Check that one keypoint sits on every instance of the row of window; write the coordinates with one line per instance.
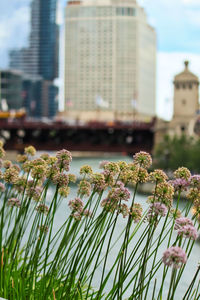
(100, 11)
(183, 85)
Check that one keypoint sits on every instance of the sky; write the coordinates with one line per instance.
(177, 24)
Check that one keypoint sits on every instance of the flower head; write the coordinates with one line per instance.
(84, 188)
(30, 150)
(76, 205)
(180, 184)
(14, 202)
(11, 175)
(143, 159)
(164, 192)
(175, 257)
(86, 170)
(158, 176)
(42, 208)
(183, 173)
(22, 158)
(98, 181)
(61, 179)
(182, 221)
(156, 209)
(64, 191)
(7, 164)
(136, 212)
(112, 168)
(72, 178)
(34, 192)
(188, 231)
(122, 165)
(64, 158)
(123, 209)
(195, 181)
(142, 175)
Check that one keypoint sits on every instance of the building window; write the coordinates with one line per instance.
(125, 11)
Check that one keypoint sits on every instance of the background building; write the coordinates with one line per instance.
(10, 90)
(40, 58)
(110, 60)
(186, 107)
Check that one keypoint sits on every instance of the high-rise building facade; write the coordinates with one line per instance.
(40, 58)
(110, 58)
(11, 89)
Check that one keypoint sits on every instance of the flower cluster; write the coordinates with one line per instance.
(86, 170)
(175, 257)
(195, 181)
(84, 188)
(156, 209)
(143, 159)
(11, 175)
(115, 196)
(185, 228)
(112, 168)
(98, 182)
(30, 150)
(158, 176)
(180, 184)
(77, 207)
(64, 191)
(183, 173)
(7, 164)
(136, 212)
(42, 208)
(14, 202)
(34, 192)
(164, 193)
(61, 179)
(64, 158)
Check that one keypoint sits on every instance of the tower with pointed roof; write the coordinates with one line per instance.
(186, 105)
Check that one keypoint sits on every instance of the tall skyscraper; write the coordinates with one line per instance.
(40, 58)
(110, 59)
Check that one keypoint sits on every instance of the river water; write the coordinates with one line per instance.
(63, 212)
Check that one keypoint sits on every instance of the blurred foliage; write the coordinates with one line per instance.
(174, 152)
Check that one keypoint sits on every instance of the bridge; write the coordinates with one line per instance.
(116, 137)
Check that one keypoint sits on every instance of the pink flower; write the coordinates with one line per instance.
(188, 231)
(14, 202)
(76, 205)
(182, 221)
(156, 209)
(175, 257)
(180, 184)
(64, 158)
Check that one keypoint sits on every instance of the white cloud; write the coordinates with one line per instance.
(170, 64)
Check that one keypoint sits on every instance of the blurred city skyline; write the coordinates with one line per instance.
(176, 22)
